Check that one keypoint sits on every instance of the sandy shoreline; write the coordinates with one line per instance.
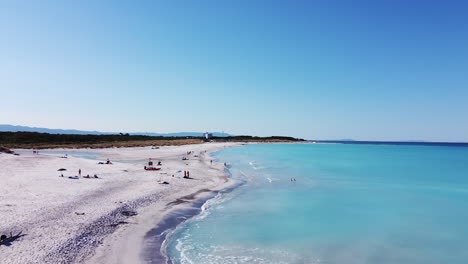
(64, 220)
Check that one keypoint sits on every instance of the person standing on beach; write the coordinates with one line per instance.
(79, 172)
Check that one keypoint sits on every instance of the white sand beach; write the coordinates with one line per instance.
(56, 219)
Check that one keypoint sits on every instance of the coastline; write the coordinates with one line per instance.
(93, 222)
(157, 238)
(133, 244)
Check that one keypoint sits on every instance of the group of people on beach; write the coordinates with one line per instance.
(79, 175)
(188, 154)
(107, 162)
(293, 179)
(87, 176)
(186, 174)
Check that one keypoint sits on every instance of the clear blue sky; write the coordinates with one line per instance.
(370, 70)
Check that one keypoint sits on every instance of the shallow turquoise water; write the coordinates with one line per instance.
(351, 204)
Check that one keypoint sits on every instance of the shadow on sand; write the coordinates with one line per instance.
(6, 241)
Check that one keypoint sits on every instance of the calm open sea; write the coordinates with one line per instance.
(350, 204)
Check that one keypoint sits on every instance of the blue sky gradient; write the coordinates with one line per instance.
(366, 70)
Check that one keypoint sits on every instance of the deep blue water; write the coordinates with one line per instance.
(401, 143)
(350, 204)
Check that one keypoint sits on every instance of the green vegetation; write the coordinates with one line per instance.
(257, 139)
(45, 140)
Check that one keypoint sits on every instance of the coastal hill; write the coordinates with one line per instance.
(13, 128)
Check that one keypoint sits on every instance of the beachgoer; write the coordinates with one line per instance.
(188, 174)
(185, 174)
(95, 176)
(79, 172)
(211, 161)
(61, 175)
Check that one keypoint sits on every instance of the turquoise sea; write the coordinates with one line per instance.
(350, 204)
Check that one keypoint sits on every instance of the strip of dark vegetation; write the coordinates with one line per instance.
(257, 139)
(35, 137)
(45, 140)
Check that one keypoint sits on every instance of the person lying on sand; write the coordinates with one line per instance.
(89, 177)
(5, 240)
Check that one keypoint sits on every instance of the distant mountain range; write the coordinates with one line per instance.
(12, 128)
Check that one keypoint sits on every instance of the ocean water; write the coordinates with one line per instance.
(350, 204)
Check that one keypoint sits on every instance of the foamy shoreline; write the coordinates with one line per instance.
(66, 220)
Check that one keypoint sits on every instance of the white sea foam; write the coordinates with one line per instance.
(184, 244)
(255, 167)
(191, 252)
